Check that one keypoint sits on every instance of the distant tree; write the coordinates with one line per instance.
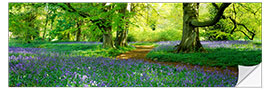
(23, 22)
(101, 20)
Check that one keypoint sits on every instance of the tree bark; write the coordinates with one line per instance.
(78, 37)
(190, 36)
(121, 34)
(121, 38)
(107, 38)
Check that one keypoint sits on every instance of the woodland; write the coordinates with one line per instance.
(132, 44)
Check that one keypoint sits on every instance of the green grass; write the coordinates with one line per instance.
(145, 43)
(75, 49)
(19, 43)
(220, 57)
(103, 52)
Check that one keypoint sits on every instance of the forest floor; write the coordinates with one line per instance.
(141, 51)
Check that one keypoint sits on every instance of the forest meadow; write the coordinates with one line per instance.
(132, 44)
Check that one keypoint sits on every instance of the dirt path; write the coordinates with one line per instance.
(141, 51)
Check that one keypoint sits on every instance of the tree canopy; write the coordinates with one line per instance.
(117, 23)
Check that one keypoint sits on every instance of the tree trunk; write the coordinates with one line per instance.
(107, 38)
(121, 38)
(50, 37)
(190, 36)
(44, 32)
(79, 30)
(68, 36)
(121, 34)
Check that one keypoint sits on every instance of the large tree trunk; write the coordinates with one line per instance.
(121, 34)
(121, 38)
(190, 36)
(107, 38)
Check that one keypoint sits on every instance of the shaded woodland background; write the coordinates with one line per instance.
(132, 22)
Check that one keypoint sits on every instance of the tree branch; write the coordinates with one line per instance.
(234, 11)
(69, 8)
(235, 26)
(257, 10)
(98, 22)
(197, 23)
(249, 9)
(234, 23)
(251, 38)
(79, 12)
(246, 28)
(215, 5)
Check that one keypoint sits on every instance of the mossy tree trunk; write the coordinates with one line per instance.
(106, 23)
(107, 38)
(79, 23)
(121, 38)
(190, 37)
(121, 34)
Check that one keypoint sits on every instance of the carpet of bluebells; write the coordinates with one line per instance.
(169, 45)
(38, 67)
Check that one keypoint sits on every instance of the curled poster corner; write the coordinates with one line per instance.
(249, 76)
